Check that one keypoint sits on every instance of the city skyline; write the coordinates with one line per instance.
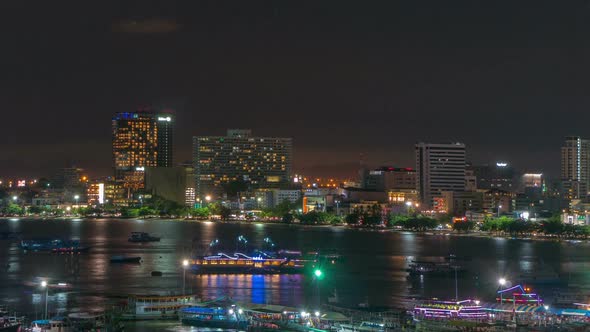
(344, 81)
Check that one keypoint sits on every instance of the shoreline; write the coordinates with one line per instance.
(475, 234)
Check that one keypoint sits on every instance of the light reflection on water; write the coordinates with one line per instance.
(374, 262)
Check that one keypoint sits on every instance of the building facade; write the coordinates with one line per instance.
(440, 167)
(575, 167)
(140, 139)
(258, 162)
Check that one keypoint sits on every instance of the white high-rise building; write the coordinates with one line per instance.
(441, 168)
(575, 166)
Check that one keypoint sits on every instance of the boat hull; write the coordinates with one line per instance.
(200, 269)
(218, 324)
(12, 328)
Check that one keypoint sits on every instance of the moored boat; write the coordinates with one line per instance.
(146, 307)
(142, 237)
(242, 263)
(434, 268)
(51, 245)
(214, 316)
(125, 259)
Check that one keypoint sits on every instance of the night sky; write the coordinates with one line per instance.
(508, 78)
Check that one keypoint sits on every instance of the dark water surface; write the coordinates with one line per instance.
(373, 268)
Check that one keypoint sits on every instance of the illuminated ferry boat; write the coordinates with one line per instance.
(242, 263)
(218, 316)
(146, 307)
(466, 309)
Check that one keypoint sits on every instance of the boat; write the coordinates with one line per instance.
(242, 263)
(437, 309)
(147, 307)
(214, 316)
(125, 259)
(9, 324)
(70, 250)
(142, 237)
(362, 327)
(417, 268)
(56, 324)
(51, 245)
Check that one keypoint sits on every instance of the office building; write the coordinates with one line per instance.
(575, 167)
(140, 139)
(440, 167)
(389, 178)
(256, 162)
(500, 175)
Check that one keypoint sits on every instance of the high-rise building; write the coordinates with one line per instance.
(440, 167)
(575, 167)
(258, 162)
(140, 139)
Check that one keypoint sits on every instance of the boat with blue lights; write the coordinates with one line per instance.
(242, 263)
(53, 245)
(265, 261)
(214, 315)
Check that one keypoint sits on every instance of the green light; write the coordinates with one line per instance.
(318, 273)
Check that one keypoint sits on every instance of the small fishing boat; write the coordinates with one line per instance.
(142, 237)
(125, 259)
(417, 268)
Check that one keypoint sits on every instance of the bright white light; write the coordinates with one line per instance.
(43, 283)
(231, 311)
(68, 208)
(185, 263)
(477, 302)
(502, 281)
(14, 198)
(62, 284)
(408, 203)
(140, 169)
(207, 198)
(546, 307)
(500, 164)
(101, 193)
(240, 311)
(167, 118)
(317, 314)
(77, 197)
(525, 215)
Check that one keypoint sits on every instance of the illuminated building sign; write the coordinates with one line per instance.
(140, 169)
(21, 183)
(500, 164)
(167, 118)
(101, 193)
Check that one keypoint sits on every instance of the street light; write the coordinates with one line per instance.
(44, 285)
(499, 207)
(14, 198)
(502, 282)
(318, 273)
(208, 198)
(184, 266)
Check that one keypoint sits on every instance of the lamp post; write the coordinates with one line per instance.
(337, 207)
(184, 267)
(502, 282)
(319, 274)
(44, 285)
(499, 207)
(408, 205)
(14, 198)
